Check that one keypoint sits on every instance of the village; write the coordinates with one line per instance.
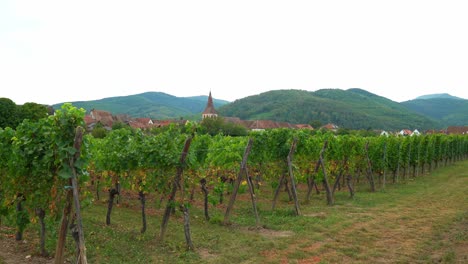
(108, 120)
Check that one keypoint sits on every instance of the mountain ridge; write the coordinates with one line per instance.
(438, 95)
(353, 108)
(156, 105)
(449, 111)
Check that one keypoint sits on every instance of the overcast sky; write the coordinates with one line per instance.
(58, 51)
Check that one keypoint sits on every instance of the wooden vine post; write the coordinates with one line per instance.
(291, 175)
(340, 174)
(59, 250)
(282, 181)
(398, 163)
(325, 178)
(76, 200)
(370, 176)
(242, 171)
(175, 186)
(205, 195)
(310, 185)
(321, 164)
(407, 170)
(385, 165)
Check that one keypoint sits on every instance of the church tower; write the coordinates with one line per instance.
(209, 110)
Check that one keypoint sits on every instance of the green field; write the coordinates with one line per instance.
(423, 220)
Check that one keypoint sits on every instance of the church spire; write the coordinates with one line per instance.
(209, 109)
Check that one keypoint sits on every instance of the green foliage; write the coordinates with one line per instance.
(217, 125)
(316, 124)
(211, 126)
(8, 113)
(11, 115)
(32, 111)
(99, 131)
(119, 125)
(35, 162)
(226, 152)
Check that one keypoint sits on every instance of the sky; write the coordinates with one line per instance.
(62, 51)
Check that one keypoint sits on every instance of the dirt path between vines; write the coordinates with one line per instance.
(15, 252)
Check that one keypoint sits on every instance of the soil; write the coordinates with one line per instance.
(15, 252)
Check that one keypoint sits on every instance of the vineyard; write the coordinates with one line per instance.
(52, 173)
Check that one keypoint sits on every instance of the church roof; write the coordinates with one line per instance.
(209, 106)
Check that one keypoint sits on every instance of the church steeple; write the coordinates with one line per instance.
(209, 109)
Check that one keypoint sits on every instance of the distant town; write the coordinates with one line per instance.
(107, 120)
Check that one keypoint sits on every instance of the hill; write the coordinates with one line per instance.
(442, 95)
(155, 105)
(448, 111)
(352, 108)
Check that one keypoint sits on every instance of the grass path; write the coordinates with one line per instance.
(422, 221)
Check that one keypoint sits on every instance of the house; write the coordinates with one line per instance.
(147, 122)
(433, 131)
(163, 123)
(384, 133)
(103, 117)
(98, 116)
(234, 120)
(415, 133)
(304, 126)
(136, 124)
(123, 118)
(460, 130)
(260, 125)
(405, 132)
(330, 126)
(89, 121)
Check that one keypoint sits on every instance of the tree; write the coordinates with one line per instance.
(212, 125)
(8, 113)
(99, 131)
(316, 124)
(217, 125)
(32, 111)
(119, 125)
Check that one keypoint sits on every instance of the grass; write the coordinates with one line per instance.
(417, 221)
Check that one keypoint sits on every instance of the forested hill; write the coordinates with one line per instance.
(449, 111)
(155, 105)
(352, 108)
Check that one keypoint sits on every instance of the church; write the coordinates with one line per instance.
(209, 111)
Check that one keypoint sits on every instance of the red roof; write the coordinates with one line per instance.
(103, 117)
(88, 120)
(462, 130)
(134, 124)
(405, 132)
(304, 126)
(263, 124)
(330, 126)
(144, 120)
